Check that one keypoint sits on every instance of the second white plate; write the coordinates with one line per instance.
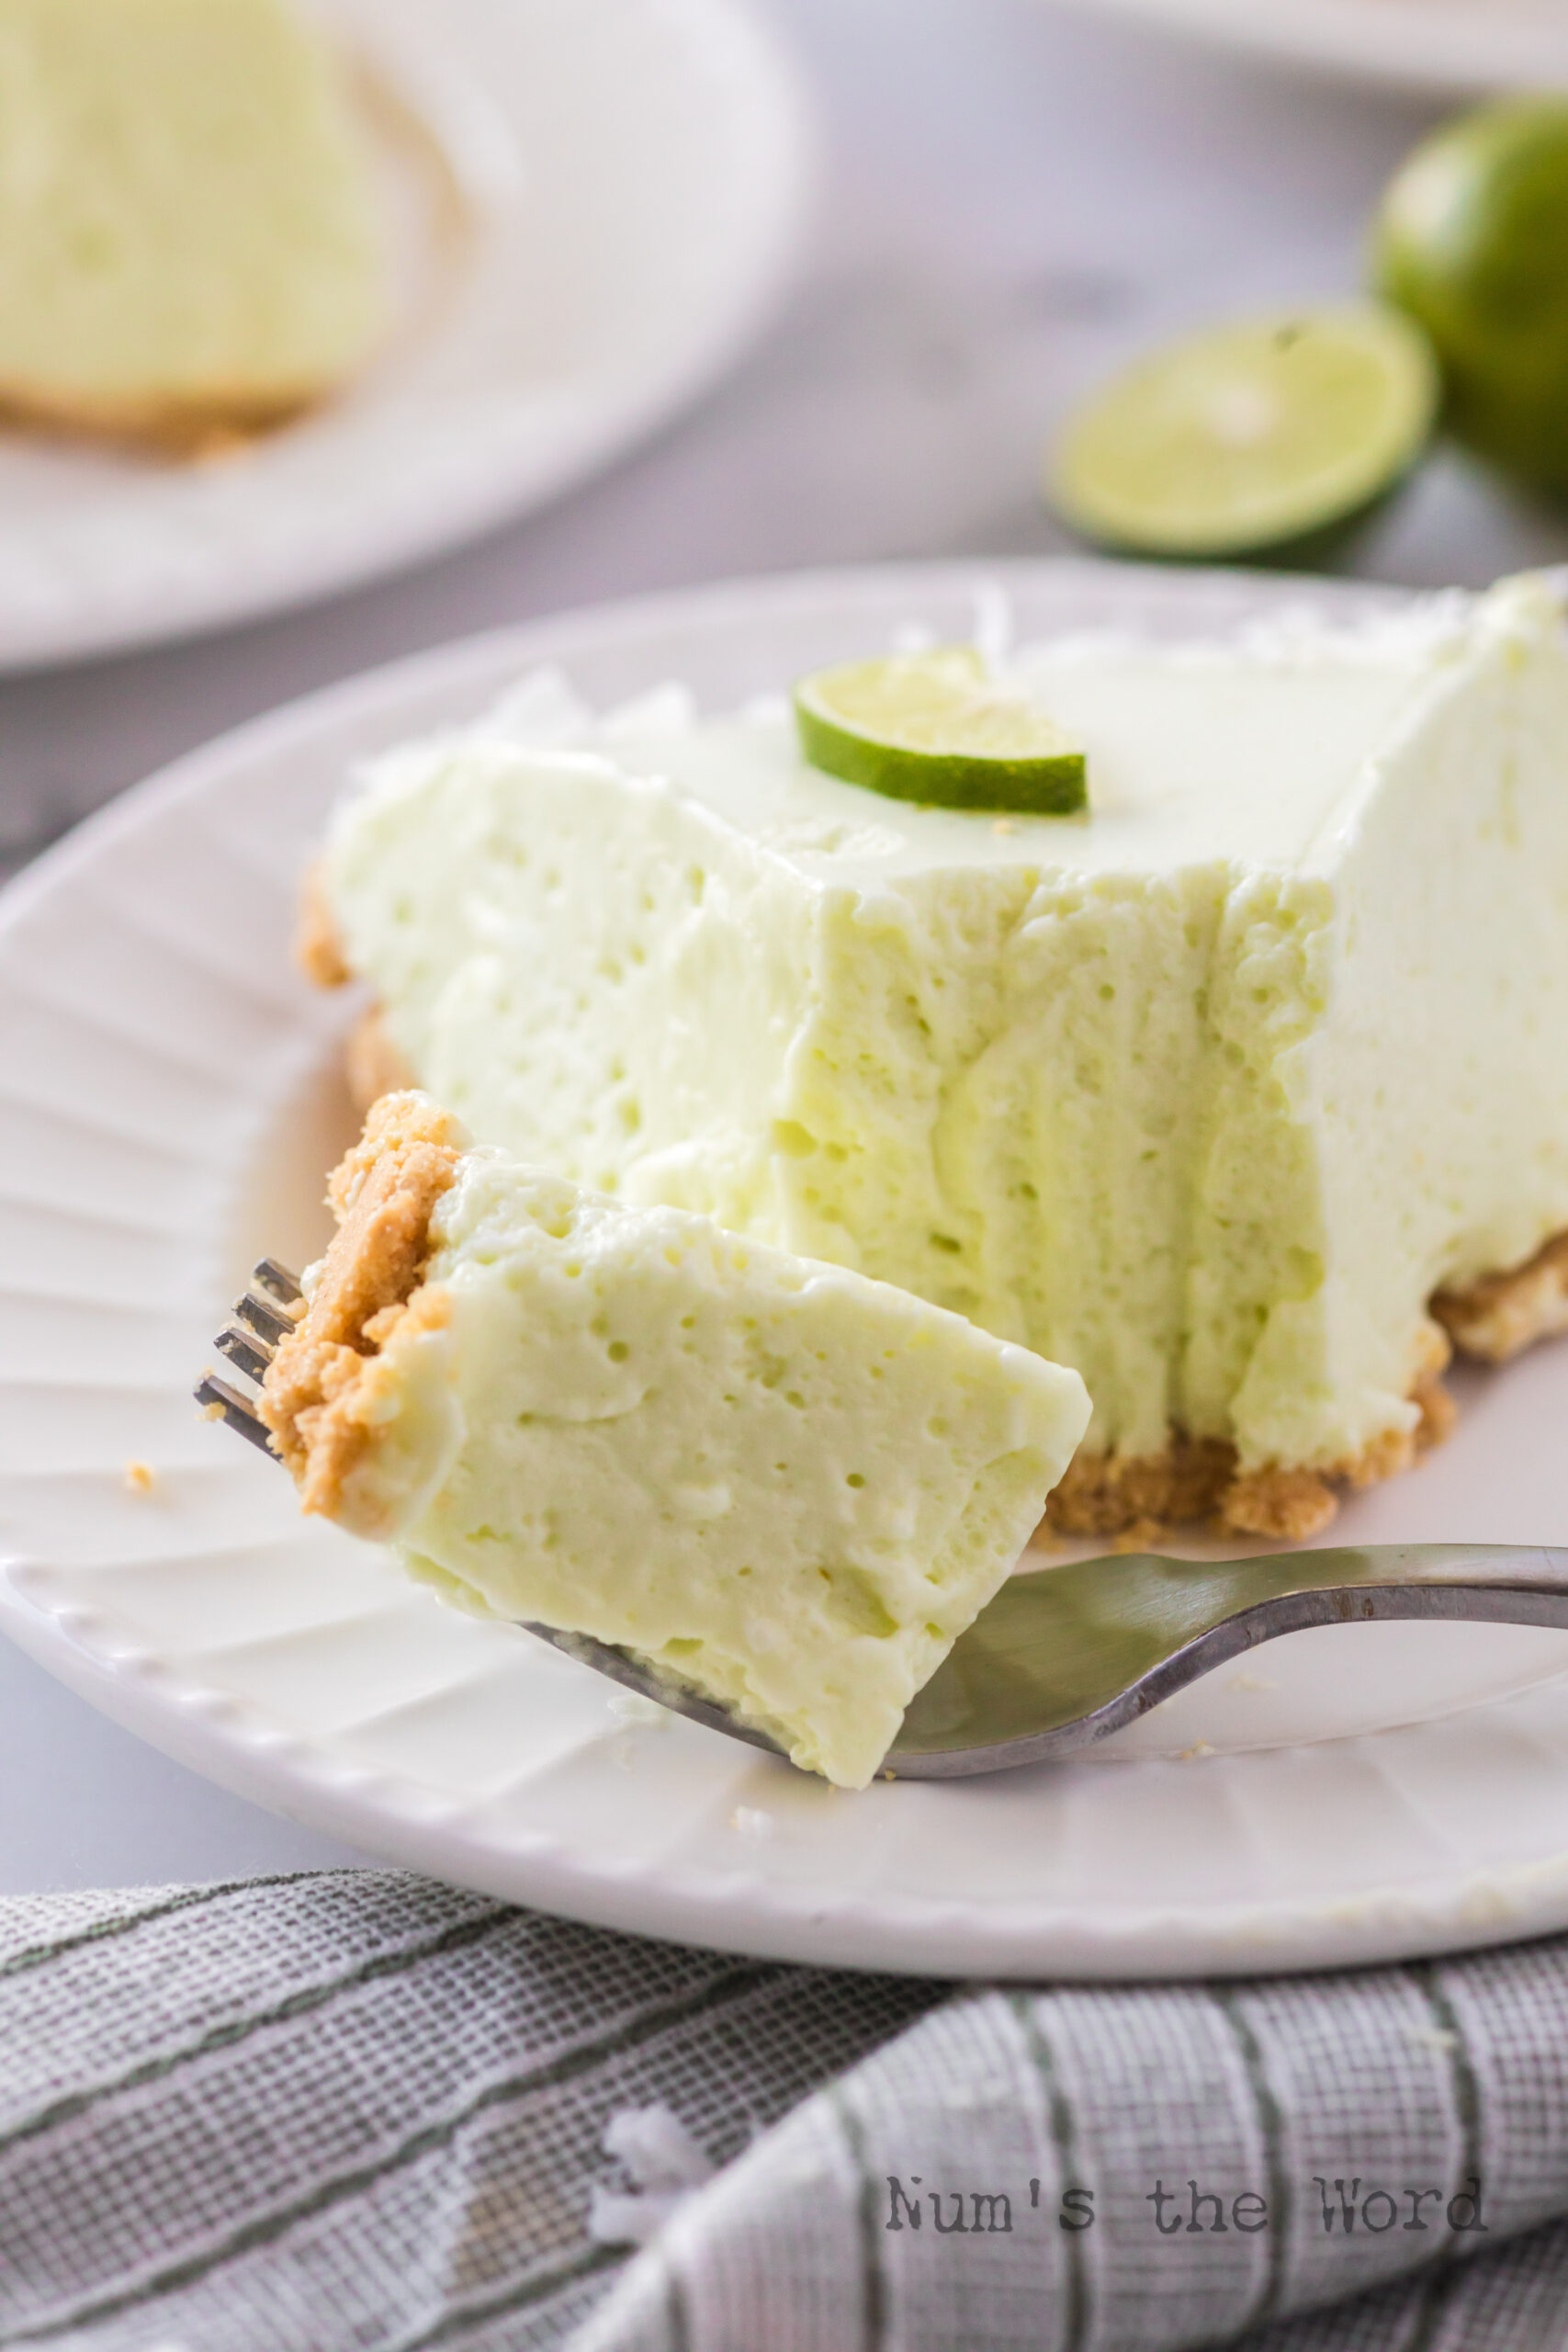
(1462, 46)
(168, 1102)
(594, 205)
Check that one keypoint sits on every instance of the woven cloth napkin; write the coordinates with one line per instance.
(355, 2109)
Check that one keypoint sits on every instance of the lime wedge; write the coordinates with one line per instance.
(1249, 435)
(938, 728)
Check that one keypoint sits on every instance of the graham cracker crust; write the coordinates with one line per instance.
(318, 947)
(1141, 1495)
(319, 1396)
(372, 1065)
(181, 429)
(1501, 1314)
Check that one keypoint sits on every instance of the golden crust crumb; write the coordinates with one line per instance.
(138, 1478)
(1438, 1414)
(319, 1389)
(1285, 1505)
(372, 1064)
(318, 951)
(1497, 1316)
(1142, 1536)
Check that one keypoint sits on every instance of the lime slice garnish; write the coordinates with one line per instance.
(1249, 435)
(938, 728)
(1471, 240)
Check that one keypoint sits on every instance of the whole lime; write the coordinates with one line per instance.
(1472, 240)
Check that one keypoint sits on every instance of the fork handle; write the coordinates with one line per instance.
(1517, 1568)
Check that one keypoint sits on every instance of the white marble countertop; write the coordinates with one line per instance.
(1015, 195)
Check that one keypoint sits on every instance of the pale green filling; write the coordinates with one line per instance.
(1208, 1126)
(185, 211)
(789, 1486)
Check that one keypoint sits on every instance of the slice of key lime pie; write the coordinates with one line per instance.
(1229, 1089)
(189, 224)
(785, 1487)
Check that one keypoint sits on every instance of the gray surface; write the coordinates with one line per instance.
(1015, 198)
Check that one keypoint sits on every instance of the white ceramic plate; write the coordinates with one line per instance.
(1427, 45)
(594, 204)
(168, 1103)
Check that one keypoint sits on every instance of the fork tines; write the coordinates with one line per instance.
(262, 1319)
(277, 1279)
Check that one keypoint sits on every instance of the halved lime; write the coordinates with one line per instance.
(1472, 241)
(1249, 435)
(938, 728)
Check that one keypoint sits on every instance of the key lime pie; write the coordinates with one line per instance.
(786, 1487)
(1231, 1090)
(188, 234)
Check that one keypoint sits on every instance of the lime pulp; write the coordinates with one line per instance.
(1249, 435)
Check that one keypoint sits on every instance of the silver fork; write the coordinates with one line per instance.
(1063, 1655)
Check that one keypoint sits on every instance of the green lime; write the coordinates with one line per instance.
(938, 728)
(1250, 435)
(1472, 241)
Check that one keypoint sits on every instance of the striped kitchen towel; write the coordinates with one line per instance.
(358, 2110)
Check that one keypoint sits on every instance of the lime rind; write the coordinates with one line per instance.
(1251, 435)
(1469, 241)
(935, 729)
